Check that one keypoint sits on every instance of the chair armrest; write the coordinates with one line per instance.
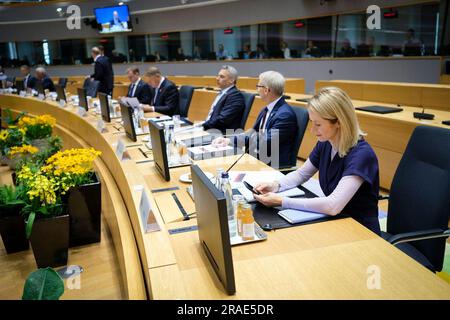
(286, 170)
(418, 235)
(381, 197)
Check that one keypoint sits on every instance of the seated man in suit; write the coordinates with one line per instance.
(165, 94)
(103, 71)
(28, 79)
(47, 83)
(228, 108)
(138, 88)
(275, 127)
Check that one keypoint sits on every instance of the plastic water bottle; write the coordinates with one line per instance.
(219, 179)
(226, 188)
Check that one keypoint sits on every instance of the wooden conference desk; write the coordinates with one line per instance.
(329, 260)
(388, 134)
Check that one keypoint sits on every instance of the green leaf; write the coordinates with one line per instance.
(43, 284)
(29, 225)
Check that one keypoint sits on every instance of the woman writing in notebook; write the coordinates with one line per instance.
(347, 165)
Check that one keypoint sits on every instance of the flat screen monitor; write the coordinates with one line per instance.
(61, 94)
(20, 86)
(128, 123)
(82, 100)
(159, 149)
(104, 106)
(213, 233)
(113, 19)
(39, 87)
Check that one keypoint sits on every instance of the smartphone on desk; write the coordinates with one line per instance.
(250, 187)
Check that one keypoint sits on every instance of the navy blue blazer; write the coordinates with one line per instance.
(103, 73)
(167, 100)
(281, 126)
(228, 111)
(47, 83)
(143, 92)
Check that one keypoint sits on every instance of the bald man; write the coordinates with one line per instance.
(102, 72)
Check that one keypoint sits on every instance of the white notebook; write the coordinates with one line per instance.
(298, 216)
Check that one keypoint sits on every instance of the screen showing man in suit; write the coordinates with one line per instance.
(273, 135)
(165, 94)
(138, 88)
(102, 71)
(227, 108)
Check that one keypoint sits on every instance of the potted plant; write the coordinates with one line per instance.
(37, 129)
(12, 225)
(43, 284)
(80, 188)
(47, 221)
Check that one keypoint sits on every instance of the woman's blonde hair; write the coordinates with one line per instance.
(334, 105)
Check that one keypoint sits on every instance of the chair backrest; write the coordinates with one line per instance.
(186, 93)
(248, 102)
(302, 122)
(62, 82)
(91, 87)
(420, 192)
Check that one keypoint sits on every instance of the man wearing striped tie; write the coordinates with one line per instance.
(273, 135)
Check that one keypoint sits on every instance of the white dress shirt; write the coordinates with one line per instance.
(135, 84)
(269, 107)
(218, 97)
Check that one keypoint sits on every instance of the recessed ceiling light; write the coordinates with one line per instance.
(120, 3)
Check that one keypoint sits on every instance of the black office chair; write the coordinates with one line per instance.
(91, 87)
(62, 82)
(248, 102)
(419, 201)
(302, 122)
(186, 93)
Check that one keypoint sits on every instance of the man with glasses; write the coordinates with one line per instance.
(228, 107)
(276, 124)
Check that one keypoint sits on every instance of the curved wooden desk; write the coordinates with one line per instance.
(329, 260)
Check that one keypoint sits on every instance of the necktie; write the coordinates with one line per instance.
(213, 105)
(263, 119)
(130, 94)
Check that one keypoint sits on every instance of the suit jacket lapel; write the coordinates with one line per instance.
(274, 111)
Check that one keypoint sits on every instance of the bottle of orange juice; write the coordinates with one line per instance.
(248, 222)
(240, 201)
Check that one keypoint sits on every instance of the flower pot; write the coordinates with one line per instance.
(12, 230)
(50, 241)
(84, 207)
(41, 144)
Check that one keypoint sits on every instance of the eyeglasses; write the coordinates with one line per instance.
(260, 86)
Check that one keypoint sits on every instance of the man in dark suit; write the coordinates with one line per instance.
(28, 79)
(41, 76)
(275, 127)
(165, 94)
(138, 88)
(102, 72)
(228, 108)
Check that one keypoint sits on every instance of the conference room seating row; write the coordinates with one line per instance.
(428, 96)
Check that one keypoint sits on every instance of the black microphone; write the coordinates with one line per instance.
(423, 115)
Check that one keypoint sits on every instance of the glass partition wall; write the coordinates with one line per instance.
(406, 31)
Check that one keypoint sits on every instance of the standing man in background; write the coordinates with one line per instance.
(102, 72)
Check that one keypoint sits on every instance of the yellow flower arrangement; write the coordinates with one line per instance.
(72, 161)
(43, 188)
(40, 120)
(4, 135)
(25, 174)
(24, 149)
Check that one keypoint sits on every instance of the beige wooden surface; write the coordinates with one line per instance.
(429, 96)
(322, 260)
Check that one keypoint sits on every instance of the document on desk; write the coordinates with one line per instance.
(254, 177)
(298, 216)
